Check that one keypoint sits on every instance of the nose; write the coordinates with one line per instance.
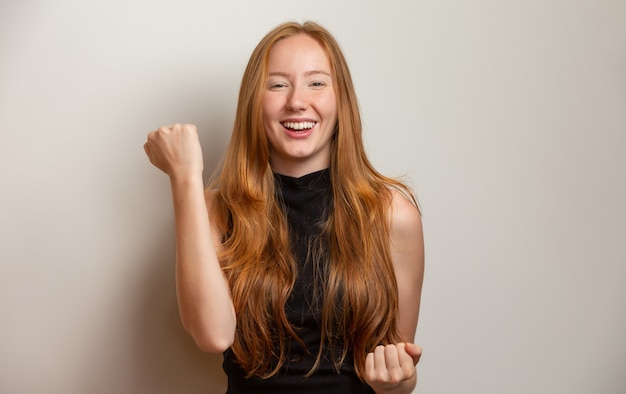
(297, 100)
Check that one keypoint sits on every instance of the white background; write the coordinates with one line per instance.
(508, 117)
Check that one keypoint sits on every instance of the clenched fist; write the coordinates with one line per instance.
(175, 150)
(391, 368)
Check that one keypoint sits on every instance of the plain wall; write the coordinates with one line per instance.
(508, 117)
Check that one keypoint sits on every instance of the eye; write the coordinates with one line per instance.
(317, 84)
(276, 84)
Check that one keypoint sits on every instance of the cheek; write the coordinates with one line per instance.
(268, 106)
(330, 105)
(331, 112)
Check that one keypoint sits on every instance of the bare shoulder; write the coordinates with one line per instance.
(405, 220)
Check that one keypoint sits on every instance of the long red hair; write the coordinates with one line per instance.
(360, 296)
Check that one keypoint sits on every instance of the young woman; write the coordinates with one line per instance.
(300, 262)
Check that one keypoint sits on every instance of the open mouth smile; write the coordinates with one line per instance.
(298, 126)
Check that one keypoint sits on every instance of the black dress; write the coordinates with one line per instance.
(307, 201)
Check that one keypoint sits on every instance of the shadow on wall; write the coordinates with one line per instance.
(166, 360)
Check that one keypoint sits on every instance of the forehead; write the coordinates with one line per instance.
(299, 53)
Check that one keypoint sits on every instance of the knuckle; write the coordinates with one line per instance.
(407, 372)
(394, 378)
(185, 129)
(381, 377)
(396, 375)
(391, 349)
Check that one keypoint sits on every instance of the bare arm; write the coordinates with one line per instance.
(204, 300)
(391, 369)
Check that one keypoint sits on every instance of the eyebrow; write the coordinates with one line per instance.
(306, 74)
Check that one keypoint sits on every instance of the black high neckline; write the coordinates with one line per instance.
(313, 181)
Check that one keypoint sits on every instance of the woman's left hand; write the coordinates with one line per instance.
(391, 368)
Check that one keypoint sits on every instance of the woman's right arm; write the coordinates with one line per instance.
(204, 301)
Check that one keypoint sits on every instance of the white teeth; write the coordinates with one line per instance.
(299, 125)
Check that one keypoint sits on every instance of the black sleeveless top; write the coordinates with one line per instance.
(307, 201)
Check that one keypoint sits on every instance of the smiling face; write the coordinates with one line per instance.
(299, 106)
